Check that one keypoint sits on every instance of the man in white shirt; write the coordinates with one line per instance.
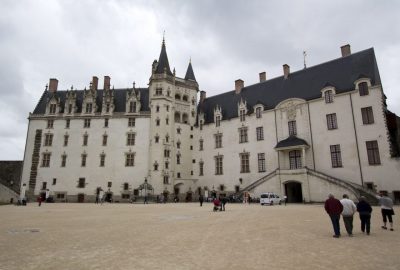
(349, 209)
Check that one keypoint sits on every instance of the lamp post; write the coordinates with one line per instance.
(145, 186)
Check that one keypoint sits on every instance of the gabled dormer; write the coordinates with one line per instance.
(328, 93)
(70, 102)
(53, 104)
(258, 108)
(217, 115)
(363, 85)
(132, 105)
(201, 120)
(108, 102)
(89, 106)
(242, 110)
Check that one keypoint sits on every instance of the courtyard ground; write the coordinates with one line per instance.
(186, 236)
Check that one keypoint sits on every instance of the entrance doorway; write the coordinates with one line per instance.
(189, 196)
(293, 192)
(81, 198)
(109, 197)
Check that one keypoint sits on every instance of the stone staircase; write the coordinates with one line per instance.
(6, 194)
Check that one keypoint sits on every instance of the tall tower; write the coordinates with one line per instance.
(173, 113)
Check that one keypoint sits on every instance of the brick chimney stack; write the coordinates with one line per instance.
(239, 84)
(53, 85)
(95, 83)
(202, 96)
(263, 76)
(345, 50)
(286, 71)
(107, 80)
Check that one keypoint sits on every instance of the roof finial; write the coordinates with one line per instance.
(304, 57)
(190, 60)
(163, 38)
(47, 86)
(134, 84)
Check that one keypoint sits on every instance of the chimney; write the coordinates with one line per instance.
(345, 50)
(239, 84)
(107, 80)
(95, 83)
(53, 84)
(202, 96)
(263, 76)
(286, 71)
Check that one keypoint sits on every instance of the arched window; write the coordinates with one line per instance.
(329, 96)
(363, 88)
(177, 96)
(185, 118)
(177, 117)
(185, 98)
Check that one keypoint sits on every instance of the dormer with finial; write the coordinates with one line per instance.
(70, 102)
(89, 106)
(108, 101)
(53, 105)
(217, 115)
(132, 100)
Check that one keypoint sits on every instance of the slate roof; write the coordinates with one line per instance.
(119, 100)
(189, 73)
(291, 141)
(305, 84)
(163, 61)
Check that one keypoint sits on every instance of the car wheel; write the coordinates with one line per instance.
(262, 204)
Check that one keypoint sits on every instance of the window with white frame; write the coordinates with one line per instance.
(89, 107)
(178, 159)
(67, 123)
(83, 160)
(261, 162)
(130, 138)
(86, 123)
(260, 133)
(244, 163)
(50, 123)
(129, 159)
(218, 165)
(48, 139)
(242, 113)
(53, 108)
(331, 121)
(218, 140)
(363, 88)
(201, 168)
(258, 112)
(85, 139)
(66, 137)
(328, 96)
(131, 122)
(292, 128)
(373, 153)
(243, 135)
(336, 156)
(166, 179)
(105, 138)
(201, 144)
(63, 160)
(367, 115)
(102, 160)
(132, 106)
(295, 159)
(217, 120)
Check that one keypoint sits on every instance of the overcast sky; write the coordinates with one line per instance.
(226, 40)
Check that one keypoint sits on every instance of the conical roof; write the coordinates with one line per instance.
(163, 61)
(189, 73)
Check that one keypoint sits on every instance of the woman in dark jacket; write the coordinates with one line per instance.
(365, 209)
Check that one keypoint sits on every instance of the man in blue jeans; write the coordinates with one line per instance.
(334, 208)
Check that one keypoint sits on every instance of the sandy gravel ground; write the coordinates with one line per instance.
(185, 236)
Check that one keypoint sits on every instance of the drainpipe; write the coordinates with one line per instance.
(355, 135)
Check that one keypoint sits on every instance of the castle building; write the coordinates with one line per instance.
(323, 129)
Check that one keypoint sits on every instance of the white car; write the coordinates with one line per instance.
(270, 198)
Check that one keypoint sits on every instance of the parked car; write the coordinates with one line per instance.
(270, 198)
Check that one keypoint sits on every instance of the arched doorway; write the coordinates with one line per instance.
(293, 192)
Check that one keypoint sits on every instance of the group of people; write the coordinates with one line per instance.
(347, 208)
(218, 203)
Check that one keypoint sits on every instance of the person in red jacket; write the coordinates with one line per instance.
(334, 208)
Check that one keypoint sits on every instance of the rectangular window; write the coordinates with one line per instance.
(166, 165)
(166, 153)
(86, 123)
(329, 96)
(201, 168)
(166, 179)
(105, 138)
(66, 137)
(158, 91)
(242, 115)
(60, 196)
(102, 160)
(243, 135)
(107, 107)
(130, 139)
(46, 160)
(218, 165)
(336, 156)
(126, 186)
(53, 108)
(363, 88)
(132, 106)
(48, 140)
(292, 128)
(63, 160)
(373, 153)
(331, 121)
(218, 140)
(44, 185)
(258, 112)
(217, 121)
(67, 123)
(178, 175)
(244, 163)
(367, 115)
(130, 160)
(106, 122)
(50, 123)
(178, 159)
(260, 133)
(295, 159)
(54, 181)
(261, 162)
(83, 160)
(89, 107)
(131, 122)
(135, 192)
(201, 145)
(70, 108)
(178, 145)
(81, 183)
(109, 184)
(85, 140)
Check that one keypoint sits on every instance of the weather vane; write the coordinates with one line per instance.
(304, 58)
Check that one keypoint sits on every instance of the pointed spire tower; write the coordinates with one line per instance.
(163, 64)
(189, 72)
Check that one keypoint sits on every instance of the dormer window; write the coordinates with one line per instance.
(242, 115)
(292, 128)
(132, 106)
(107, 107)
(89, 107)
(363, 88)
(201, 125)
(258, 112)
(217, 121)
(53, 108)
(158, 91)
(328, 96)
(70, 108)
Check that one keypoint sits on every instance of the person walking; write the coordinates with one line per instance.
(334, 208)
(285, 199)
(386, 204)
(201, 200)
(224, 200)
(39, 200)
(349, 209)
(364, 209)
